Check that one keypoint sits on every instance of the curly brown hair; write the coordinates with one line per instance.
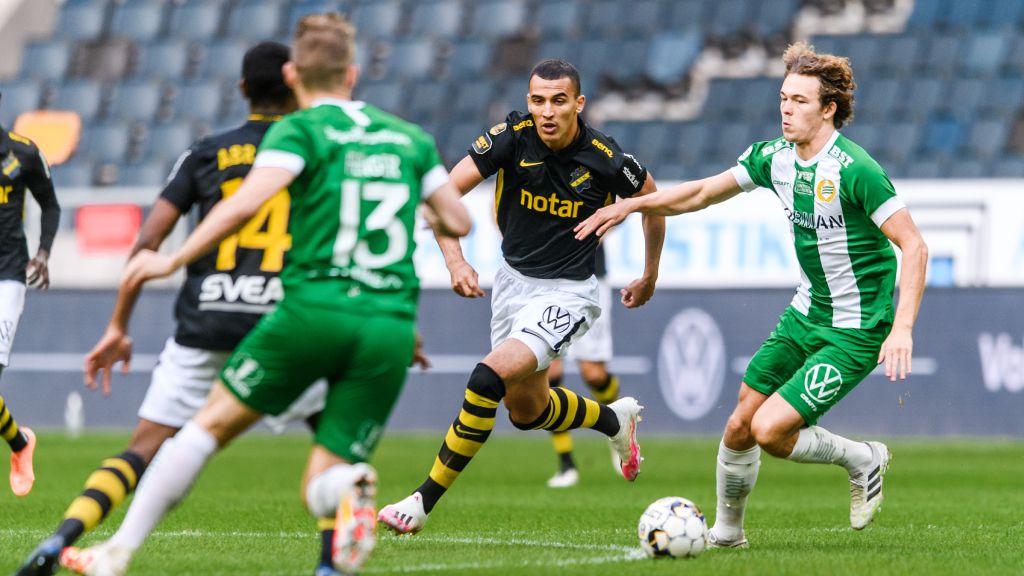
(324, 47)
(834, 73)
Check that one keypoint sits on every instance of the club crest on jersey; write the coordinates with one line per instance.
(579, 179)
(10, 166)
(498, 128)
(482, 144)
(826, 190)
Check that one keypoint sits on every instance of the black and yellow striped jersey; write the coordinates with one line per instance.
(23, 167)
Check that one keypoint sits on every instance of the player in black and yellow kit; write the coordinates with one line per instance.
(22, 166)
(225, 293)
(552, 170)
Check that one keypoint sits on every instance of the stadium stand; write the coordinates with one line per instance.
(685, 82)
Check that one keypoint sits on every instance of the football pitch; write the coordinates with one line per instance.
(951, 507)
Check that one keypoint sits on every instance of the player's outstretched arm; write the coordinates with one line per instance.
(639, 291)
(465, 281)
(679, 199)
(37, 178)
(115, 345)
(897, 349)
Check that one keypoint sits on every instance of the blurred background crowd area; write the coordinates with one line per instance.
(685, 85)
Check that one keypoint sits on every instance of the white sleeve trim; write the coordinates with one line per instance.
(280, 159)
(432, 180)
(887, 209)
(739, 172)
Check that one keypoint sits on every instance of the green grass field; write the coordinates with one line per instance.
(952, 507)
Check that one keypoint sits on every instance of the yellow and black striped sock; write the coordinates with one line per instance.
(567, 410)
(9, 429)
(326, 528)
(563, 447)
(466, 435)
(606, 392)
(104, 490)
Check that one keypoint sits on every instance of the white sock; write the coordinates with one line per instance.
(819, 446)
(736, 475)
(324, 490)
(173, 471)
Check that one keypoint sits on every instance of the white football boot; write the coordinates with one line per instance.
(355, 522)
(406, 516)
(866, 487)
(715, 542)
(104, 559)
(564, 478)
(624, 442)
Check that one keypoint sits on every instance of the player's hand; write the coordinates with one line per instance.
(465, 281)
(638, 292)
(115, 346)
(419, 357)
(897, 353)
(38, 271)
(602, 221)
(146, 265)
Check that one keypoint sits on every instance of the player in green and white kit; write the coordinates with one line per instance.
(841, 323)
(355, 176)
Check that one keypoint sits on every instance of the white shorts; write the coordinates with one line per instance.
(12, 302)
(596, 344)
(546, 315)
(182, 380)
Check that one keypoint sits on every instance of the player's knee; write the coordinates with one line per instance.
(768, 435)
(486, 382)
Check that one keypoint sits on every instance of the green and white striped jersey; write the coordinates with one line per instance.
(360, 174)
(836, 203)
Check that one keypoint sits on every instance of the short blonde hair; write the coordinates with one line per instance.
(834, 73)
(323, 49)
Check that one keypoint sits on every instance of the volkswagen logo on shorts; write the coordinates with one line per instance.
(691, 364)
(556, 319)
(822, 382)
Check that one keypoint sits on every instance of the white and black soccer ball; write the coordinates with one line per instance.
(673, 527)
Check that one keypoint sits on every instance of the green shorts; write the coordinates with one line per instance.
(364, 359)
(812, 366)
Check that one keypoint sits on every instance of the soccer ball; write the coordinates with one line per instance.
(674, 527)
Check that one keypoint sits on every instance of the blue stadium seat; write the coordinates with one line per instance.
(923, 97)
(138, 100)
(877, 99)
(1008, 167)
(470, 59)
(671, 55)
(412, 59)
(729, 140)
(964, 168)
(1001, 14)
(75, 173)
(604, 18)
(900, 52)
(223, 59)
(690, 141)
(865, 53)
(925, 168)
(985, 53)
(511, 95)
(20, 96)
(901, 142)
(559, 20)
(81, 19)
(728, 17)
(149, 173)
(474, 101)
(565, 49)
(941, 55)
(942, 135)
(46, 60)
(1014, 63)
(626, 134)
(960, 14)
(1002, 98)
(199, 100)
(687, 14)
(642, 18)
(256, 20)
(964, 97)
(428, 102)
(386, 95)
(773, 18)
(458, 140)
(166, 60)
(630, 60)
(138, 19)
(925, 15)
(439, 18)
(167, 142)
(987, 139)
(85, 97)
(493, 19)
(106, 142)
(830, 44)
(377, 20)
(196, 19)
(865, 134)
(300, 8)
(654, 140)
